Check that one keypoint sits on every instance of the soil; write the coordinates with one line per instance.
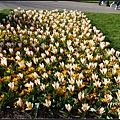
(12, 114)
(42, 114)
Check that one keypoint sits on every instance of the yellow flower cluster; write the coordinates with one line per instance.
(57, 59)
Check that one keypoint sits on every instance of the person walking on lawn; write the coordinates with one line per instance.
(103, 1)
(117, 2)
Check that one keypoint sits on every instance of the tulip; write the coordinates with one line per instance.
(71, 49)
(71, 80)
(71, 88)
(112, 51)
(107, 44)
(19, 102)
(17, 58)
(91, 65)
(117, 79)
(103, 71)
(102, 45)
(106, 81)
(115, 66)
(79, 83)
(97, 57)
(21, 64)
(97, 83)
(42, 87)
(45, 75)
(85, 107)
(68, 107)
(54, 51)
(94, 77)
(62, 64)
(35, 60)
(83, 60)
(11, 86)
(90, 56)
(1, 55)
(43, 55)
(118, 113)
(57, 74)
(68, 66)
(41, 65)
(29, 105)
(47, 52)
(20, 75)
(29, 85)
(117, 54)
(80, 95)
(105, 62)
(61, 78)
(47, 60)
(37, 82)
(101, 110)
(101, 65)
(108, 97)
(53, 58)
(55, 85)
(4, 61)
(112, 58)
(8, 26)
(114, 71)
(47, 103)
(82, 46)
(61, 50)
(11, 50)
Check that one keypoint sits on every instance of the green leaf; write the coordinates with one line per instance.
(66, 114)
(36, 109)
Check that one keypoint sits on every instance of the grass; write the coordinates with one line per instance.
(109, 25)
(4, 13)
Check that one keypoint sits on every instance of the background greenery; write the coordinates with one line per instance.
(108, 24)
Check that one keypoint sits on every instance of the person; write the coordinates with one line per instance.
(103, 1)
(117, 2)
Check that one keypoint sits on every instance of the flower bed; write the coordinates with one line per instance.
(57, 60)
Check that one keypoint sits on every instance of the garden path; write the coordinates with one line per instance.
(60, 5)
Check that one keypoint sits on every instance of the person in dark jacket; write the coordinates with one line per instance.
(103, 1)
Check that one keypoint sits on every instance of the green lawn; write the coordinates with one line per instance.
(109, 25)
(4, 13)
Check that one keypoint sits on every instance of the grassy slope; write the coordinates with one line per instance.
(109, 24)
(4, 13)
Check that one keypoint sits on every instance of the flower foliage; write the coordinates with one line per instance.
(57, 60)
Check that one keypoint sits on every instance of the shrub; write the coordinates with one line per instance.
(57, 60)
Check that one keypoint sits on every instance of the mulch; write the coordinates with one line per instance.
(8, 113)
(11, 114)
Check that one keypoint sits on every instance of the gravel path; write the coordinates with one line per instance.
(60, 5)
